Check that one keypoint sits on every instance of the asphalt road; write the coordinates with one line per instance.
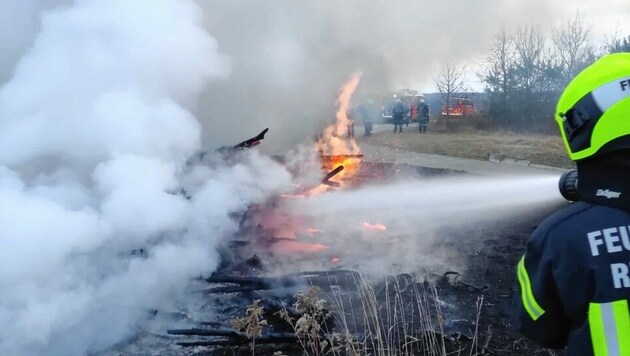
(486, 168)
(377, 153)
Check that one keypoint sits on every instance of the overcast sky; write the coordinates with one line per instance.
(289, 58)
(608, 18)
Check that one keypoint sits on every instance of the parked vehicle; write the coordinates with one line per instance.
(387, 112)
(411, 98)
(459, 107)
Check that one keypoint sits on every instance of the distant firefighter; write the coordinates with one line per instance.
(351, 128)
(399, 112)
(368, 112)
(423, 117)
(351, 115)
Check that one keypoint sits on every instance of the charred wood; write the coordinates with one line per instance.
(271, 339)
(331, 174)
(206, 332)
(229, 337)
(230, 289)
(322, 279)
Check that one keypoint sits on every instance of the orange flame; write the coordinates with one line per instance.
(290, 247)
(311, 231)
(336, 142)
(374, 227)
(292, 196)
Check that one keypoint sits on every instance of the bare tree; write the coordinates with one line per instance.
(524, 76)
(498, 76)
(572, 44)
(500, 61)
(615, 45)
(529, 44)
(450, 81)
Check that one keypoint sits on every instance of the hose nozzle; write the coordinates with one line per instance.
(568, 185)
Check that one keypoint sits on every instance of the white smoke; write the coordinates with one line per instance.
(95, 131)
(418, 220)
(20, 24)
(290, 57)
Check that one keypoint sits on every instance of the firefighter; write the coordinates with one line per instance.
(574, 278)
(350, 115)
(423, 117)
(399, 112)
(369, 113)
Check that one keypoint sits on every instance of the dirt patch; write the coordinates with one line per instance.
(536, 148)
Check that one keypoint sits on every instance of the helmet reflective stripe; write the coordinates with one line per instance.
(611, 93)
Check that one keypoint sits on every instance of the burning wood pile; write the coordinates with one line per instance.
(331, 309)
(274, 231)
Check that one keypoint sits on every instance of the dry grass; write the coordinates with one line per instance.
(536, 148)
(252, 324)
(402, 318)
(384, 320)
(310, 328)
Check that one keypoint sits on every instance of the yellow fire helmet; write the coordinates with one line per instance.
(593, 112)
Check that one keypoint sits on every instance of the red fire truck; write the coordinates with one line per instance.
(411, 98)
(459, 106)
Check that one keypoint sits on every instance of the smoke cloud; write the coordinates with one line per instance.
(103, 103)
(20, 23)
(409, 226)
(95, 133)
(291, 57)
